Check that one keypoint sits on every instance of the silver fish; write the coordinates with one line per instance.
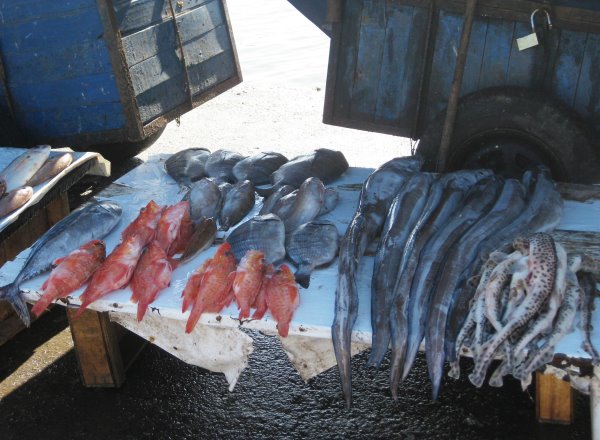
(311, 245)
(13, 200)
(238, 202)
(284, 205)
(21, 169)
(187, 166)
(259, 167)
(307, 205)
(403, 215)
(204, 197)
(331, 198)
(376, 196)
(270, 201)
(203, 237)
(264, 233)
(92, 221)
(323, 163)
(220, 163)
(52, 167)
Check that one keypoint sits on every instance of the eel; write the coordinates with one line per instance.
(406, 209)
(376, 196)
(588, 285)
(510, 201)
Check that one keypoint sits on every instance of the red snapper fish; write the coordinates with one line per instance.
(173, 219)
(215, 288)
(115, 273)
(190, 291)
(71, 272)
(282, 298)
(145, 223)
(151, 275)
(260, 302)
(247, 280)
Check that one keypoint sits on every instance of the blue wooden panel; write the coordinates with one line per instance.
(368, 64)
(568, 65)
(347, 58)
(84, 59)
(474, 63)
(56, 32)
(494, 67)
(164, 96)
(396, 67)
(155, 70)
(587, 96)
(14, 12)
(197, 22)
(84, 91)
(68, 121)
(147, 43)
(209, 45)
(211, 72)
(521, 64)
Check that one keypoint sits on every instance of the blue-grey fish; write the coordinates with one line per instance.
(311, 245)
(22, 168)
(259, 167)
(187, 166)
(92, 221)
(220, 163)
(331, 198)
(264, 233)
(376, 196)
(307, 204)
(205, 199)
(270, 201)
(238, 202)
(283, 206)
(52, 167)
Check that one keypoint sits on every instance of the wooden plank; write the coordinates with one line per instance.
(156, 70)
(10, 326)
(208, 46)
(98, 355)
(521, 62)
(197, 22)
(212, 72)
(161, 98)
(475, 57)
(346, 60)
(568, 65)
(587, 101)
(498, 43)
(57, 209)
(554, 399)
(371, 41)
(16, 11)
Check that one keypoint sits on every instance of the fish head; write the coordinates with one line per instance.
(95, 247)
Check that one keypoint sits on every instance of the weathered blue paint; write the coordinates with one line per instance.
(378, 61)
(68, 81)
(315, 11)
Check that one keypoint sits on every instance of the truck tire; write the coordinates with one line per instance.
(510, 130)
(122, 151)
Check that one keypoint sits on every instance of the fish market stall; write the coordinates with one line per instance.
(218, 342)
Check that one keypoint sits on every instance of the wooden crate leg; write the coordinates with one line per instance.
(554, 399)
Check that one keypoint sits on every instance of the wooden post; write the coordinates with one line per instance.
(104, 349)
(554, 399)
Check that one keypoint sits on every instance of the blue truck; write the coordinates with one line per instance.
(108, 75)
(392, 64)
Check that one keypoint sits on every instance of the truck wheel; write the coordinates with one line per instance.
(510, 130)
(121, 151)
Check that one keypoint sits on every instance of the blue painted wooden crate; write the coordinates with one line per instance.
(86, 72)
(392, 61)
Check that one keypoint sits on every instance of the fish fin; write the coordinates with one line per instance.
(40, 306)
(302, 275)
(283, 328)
(141, 310)
(265, 192)
(193, 318)
(12, 294)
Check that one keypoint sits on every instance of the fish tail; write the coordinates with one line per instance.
(341, 346)
(141, 310)
(12, 294)
(82, 308)
(40, 306)
(435, 367)
(302, 275)
(283, 328)
(244, 313)
(259, 313)
(379, 347)
(193, 319)
(409, 360)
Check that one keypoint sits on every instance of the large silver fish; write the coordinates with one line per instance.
(238, 202)
(271, 201)
(204, 197)
(14, 199)
(478, 201)
(53, 165)
(259, 167)
(284, 205)
(307, 204)
(311, 245)
(376, 196)
(323, 163)
(264, 233)
(462, 255)
(187, 166)
(21, 169)
(220, 163)
(403, 215)
(331, 198)
(93, 221)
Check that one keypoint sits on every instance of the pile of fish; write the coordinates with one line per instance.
(434, 230)
(31, 168)
(84, 225)
(253, 284)
(525, 302)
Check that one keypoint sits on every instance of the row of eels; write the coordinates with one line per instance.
(438, 234)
